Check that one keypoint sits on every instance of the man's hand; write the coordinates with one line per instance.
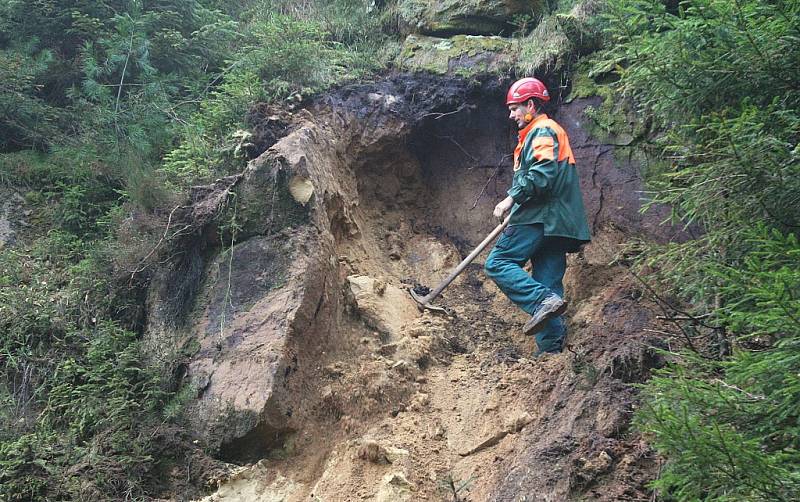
(504, 206)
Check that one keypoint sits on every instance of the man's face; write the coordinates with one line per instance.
(517, 114)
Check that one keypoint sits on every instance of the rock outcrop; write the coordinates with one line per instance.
(472, 17)
(308, 356)
(467, 54)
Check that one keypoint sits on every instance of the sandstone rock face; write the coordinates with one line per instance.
(473, 17)
(383, 307)
(257, 319)
(555, 42)
(256, 296)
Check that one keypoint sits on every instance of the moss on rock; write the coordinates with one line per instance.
(265, 205)
(559, 40)
(611, 120)
(462, 54)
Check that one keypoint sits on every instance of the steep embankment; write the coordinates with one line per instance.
(311, 360)
(314, 370)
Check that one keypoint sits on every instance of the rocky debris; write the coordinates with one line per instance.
(517, 421)
(251, 485)
(383, 307)
(474, 17)
(372, 451)
(419, 402)
(396, 455)
(395, 487)
(377, 453)
(431, 258)
(512, 424)
(304, 341)
(597, 465)
(461, 54)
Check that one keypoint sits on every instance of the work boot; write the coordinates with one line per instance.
(552, 306)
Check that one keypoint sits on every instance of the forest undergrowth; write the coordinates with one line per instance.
(720, 81)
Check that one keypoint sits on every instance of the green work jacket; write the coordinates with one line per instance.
(545, 187)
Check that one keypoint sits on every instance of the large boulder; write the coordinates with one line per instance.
(474, 17)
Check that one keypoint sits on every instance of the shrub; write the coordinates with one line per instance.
(112, 109)
(281, 59)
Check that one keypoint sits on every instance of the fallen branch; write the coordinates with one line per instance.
(684, 318)
(754, 397)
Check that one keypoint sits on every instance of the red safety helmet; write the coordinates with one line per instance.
(524, 89)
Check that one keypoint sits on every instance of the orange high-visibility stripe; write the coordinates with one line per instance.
(543, 147)
(545, 151)
(564, 150)
(518, 150)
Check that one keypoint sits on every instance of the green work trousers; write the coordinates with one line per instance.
(517, 245)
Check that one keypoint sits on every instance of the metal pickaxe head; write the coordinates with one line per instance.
(423, 302)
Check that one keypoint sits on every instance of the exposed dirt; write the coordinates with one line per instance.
(458, 398)
(319, 376)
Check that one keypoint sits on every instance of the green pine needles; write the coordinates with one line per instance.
(721, 79)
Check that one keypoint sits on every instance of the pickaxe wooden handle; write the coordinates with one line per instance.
(424, 301)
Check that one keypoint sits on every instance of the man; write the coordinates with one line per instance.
(547, 218)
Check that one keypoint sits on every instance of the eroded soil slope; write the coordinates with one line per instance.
(319, 376)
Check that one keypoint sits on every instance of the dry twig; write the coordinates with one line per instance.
(493, 176)
(141, 266)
